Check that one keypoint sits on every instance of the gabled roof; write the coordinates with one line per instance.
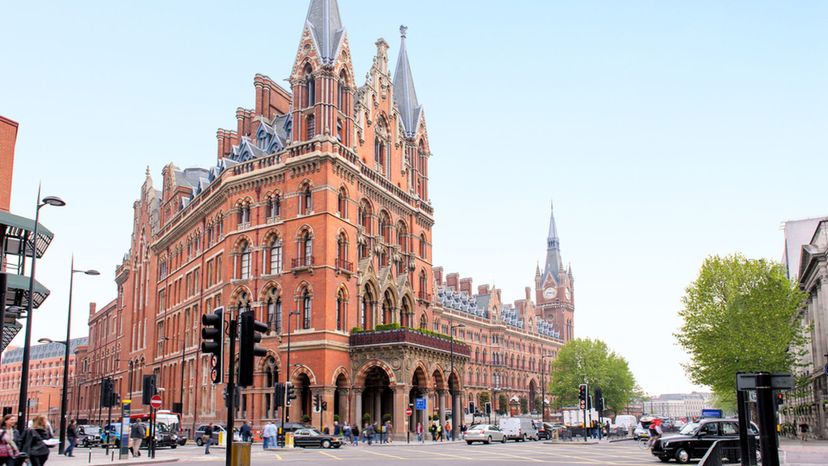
(405, 95)
(325, 26)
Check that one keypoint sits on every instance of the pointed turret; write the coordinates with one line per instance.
(404, 93)
(326, 28)
(553, 249)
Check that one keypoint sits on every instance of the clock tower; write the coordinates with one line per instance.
(554, 291)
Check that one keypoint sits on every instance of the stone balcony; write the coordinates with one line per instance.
(408, 337)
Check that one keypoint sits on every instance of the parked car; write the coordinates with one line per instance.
(164, 437)
(307, 437)
(695, 439)
(88, 435)
(114, 431)
(518, 428)
(199, 433)
(485, 433)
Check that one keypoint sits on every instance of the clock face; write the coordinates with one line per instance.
(550, 293)
(568, 294)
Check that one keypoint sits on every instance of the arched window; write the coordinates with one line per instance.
(423, 322)
(275, 256)
(306, 200)
(342, 94)
(385, 226)
(271, 377)
(340, 310)
(342, 203)
(274, 311)
(310, 86)
(402, 237)
(310, 127)
(366, 308)
(364, 217)
(342, 252)
(244, 260)
(423, 285)
(422, 246)
(244, 213)
(382, 161)
(387, 309)
(306, 309)
(306, 249)
(274, 206)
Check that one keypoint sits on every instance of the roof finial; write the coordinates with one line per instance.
(403, 31)
(148, 171)
(552, 203)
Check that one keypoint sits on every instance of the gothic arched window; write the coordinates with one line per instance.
(306, 309)
(306, 200)
(244, 260)
(310, 87)
(340, 310)
(275, 256)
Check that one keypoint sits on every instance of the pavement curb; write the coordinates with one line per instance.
(147, 461)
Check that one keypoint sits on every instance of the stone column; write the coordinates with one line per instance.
(441, 405)
(356, 418)
(343, 406)
(456, 414)
(377, 407)
(399, 420)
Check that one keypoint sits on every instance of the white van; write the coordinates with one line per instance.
(625, 421)
(518, 428)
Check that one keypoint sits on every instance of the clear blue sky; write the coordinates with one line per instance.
(664, 131)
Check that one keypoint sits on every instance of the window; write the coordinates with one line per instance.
(310, 86)
(244, 214)
(423, 322)
(306, 201)
(274, 311)
(274, 206)
(385, 226)
(342, 94)
(339, 132)
(244, 262)
(306, 310)
(310, 127)
(276, 256)
(340, 311)
(342, 252)
(423, 284)
(342, 203)
(306, 251)
(422, 246)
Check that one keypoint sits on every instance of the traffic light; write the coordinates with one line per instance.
(212, 335)
(488, 407)
(780, 398)
(279, 393)
(471, 407)
(317, 402)
(290, 393)
(599, 400)
(582, 395)
(251, 333)
(106, 392)
(324, 405)
(148, 388)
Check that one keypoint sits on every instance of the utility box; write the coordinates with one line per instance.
(241, 454)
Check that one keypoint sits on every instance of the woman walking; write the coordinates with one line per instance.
(34, 441)
(8, 449)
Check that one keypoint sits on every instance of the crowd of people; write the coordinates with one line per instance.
(32, 445)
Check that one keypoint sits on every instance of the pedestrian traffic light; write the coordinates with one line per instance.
(582, 395)
(290, 393)
(317, 402)
(212, 335)
(279, 393)
(324, 405)
(780, 398)
(251, 333)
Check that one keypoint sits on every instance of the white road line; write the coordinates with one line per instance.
(329, 455)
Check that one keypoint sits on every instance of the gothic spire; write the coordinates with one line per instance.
(553, 249)
(326, 28)
(404, 93)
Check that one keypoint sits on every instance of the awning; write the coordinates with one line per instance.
(17, 292)
(17, 228)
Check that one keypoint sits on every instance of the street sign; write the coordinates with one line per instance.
(421, 404)
(155, 401)
(778, 381)
(408, 411)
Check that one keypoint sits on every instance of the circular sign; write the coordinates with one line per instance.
(155, 401)
(408, 411)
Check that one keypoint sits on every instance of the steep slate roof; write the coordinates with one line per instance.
(553, 249)
(404, 93)
(326, 28)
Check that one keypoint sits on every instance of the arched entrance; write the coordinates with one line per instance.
(303, 393)
(419, 389)
(377, 397)
(340, 400)
(533, 393)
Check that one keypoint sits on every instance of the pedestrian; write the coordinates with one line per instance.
(34, 442)
(433, 431)
(463, 429)
(346, 429)
(207, 438)
(337, 429)
(8, 448)
(448, 431)
(71, 437)
(420, 437)
(136, 436)
(369, 433)
(388, 431)
(269, 435)
(439, 431)
(355, 434)
(244, 431)
(803, 431)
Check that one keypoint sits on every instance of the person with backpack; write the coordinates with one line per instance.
(355, 433)
(8, 449)
(34, 442)
(136, 435)
(71, 437)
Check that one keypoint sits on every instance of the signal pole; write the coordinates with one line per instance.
(231, 389)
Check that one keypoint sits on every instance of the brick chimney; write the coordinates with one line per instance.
(466, 285)
(92, 309)
(438, 275)
(451, 280)
(483, 290)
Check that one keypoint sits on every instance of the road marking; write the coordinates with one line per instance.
(448, 455)
(385, 455)
(526, 458)
(278, 457)
(329, 455)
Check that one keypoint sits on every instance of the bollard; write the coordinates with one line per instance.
(113, 456)
(90, 455)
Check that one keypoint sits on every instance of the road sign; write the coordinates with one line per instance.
(421, 404)
(408, 411)
(747, 381)
(155, 401)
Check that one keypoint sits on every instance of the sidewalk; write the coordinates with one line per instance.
(100, 458)
(797, 453)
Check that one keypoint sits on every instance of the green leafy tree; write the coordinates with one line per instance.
(739, 315)
(524, 405)
(502, 404)
(581, 360)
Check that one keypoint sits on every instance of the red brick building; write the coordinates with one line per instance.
(8, 138)
(45, 378)
(97, 358)
(317, 206)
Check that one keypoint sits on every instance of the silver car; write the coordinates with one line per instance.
(485, 433)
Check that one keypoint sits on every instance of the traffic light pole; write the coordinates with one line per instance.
(231, 388)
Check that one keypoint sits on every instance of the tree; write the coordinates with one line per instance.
(740, 315)
(585, 360)
(502, 404)
(524, 405)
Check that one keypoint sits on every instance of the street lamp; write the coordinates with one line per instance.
(452, 389)
(27, 351)
(543, 386)
(287, 373)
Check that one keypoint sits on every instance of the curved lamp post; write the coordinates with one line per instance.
(454, 407)
(27, 350)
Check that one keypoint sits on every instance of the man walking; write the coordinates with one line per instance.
(269, 434)
(208, 438)
(136, 436)
(72, 437)
(245, 432)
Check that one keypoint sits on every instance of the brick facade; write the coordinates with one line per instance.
(8, 138)
(318, 204)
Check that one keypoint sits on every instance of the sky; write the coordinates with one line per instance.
(664, 132)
